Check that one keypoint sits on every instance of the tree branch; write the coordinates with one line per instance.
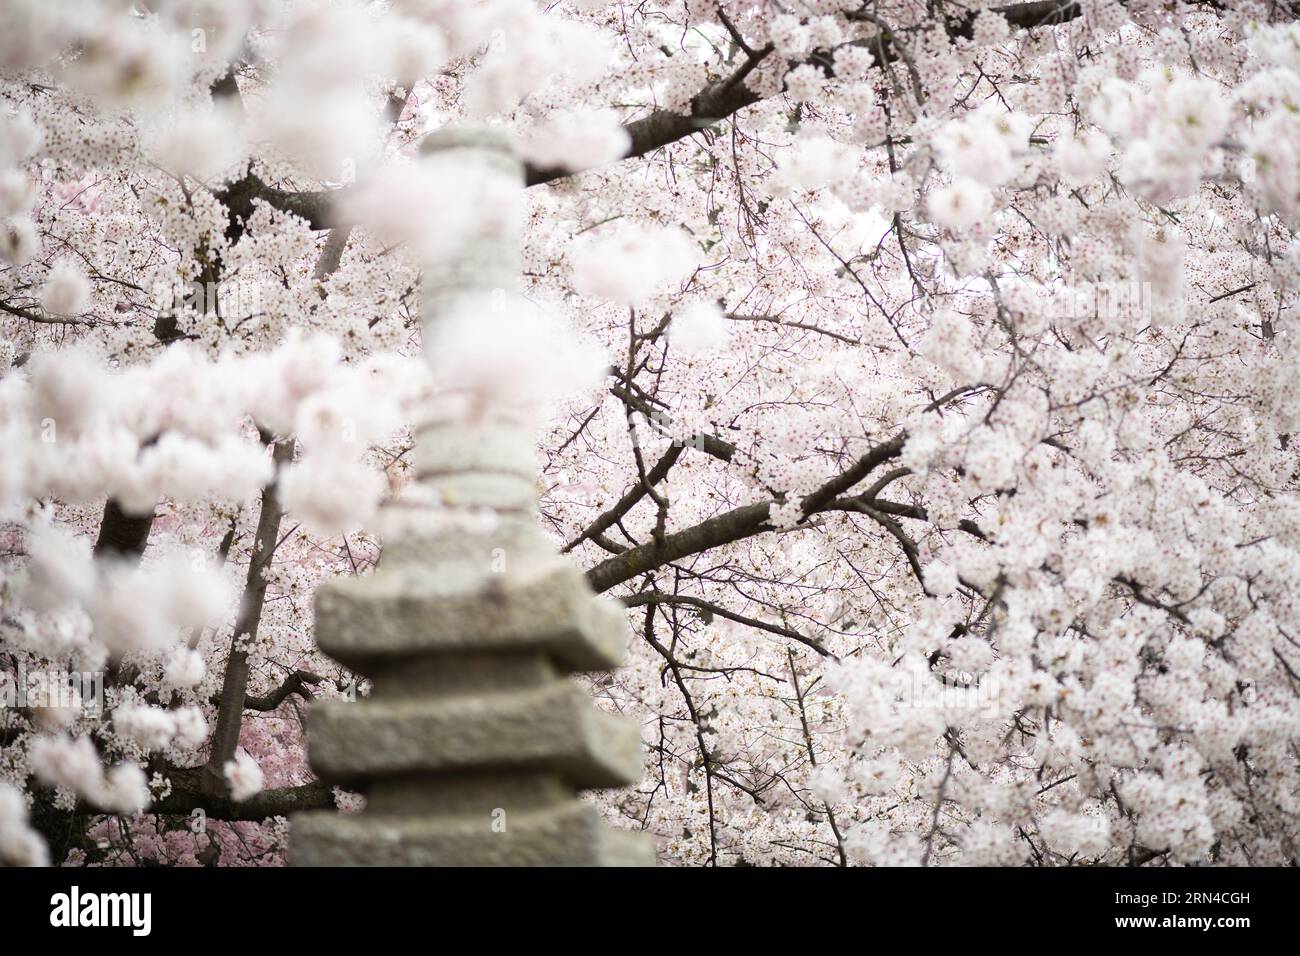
(230, 712)
(685, 600)
(731, 526)
(295, 683)
(187, 795)
(716, 102)
(122, 535)
(625, 504)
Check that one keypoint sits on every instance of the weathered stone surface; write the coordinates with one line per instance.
(402, 611)
(443, 448)
(569, 834)
(552, 727)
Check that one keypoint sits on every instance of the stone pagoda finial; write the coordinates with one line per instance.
(474, 742)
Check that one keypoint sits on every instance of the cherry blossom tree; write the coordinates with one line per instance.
(926, 378)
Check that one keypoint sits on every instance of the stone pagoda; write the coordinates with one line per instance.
(474, 741)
